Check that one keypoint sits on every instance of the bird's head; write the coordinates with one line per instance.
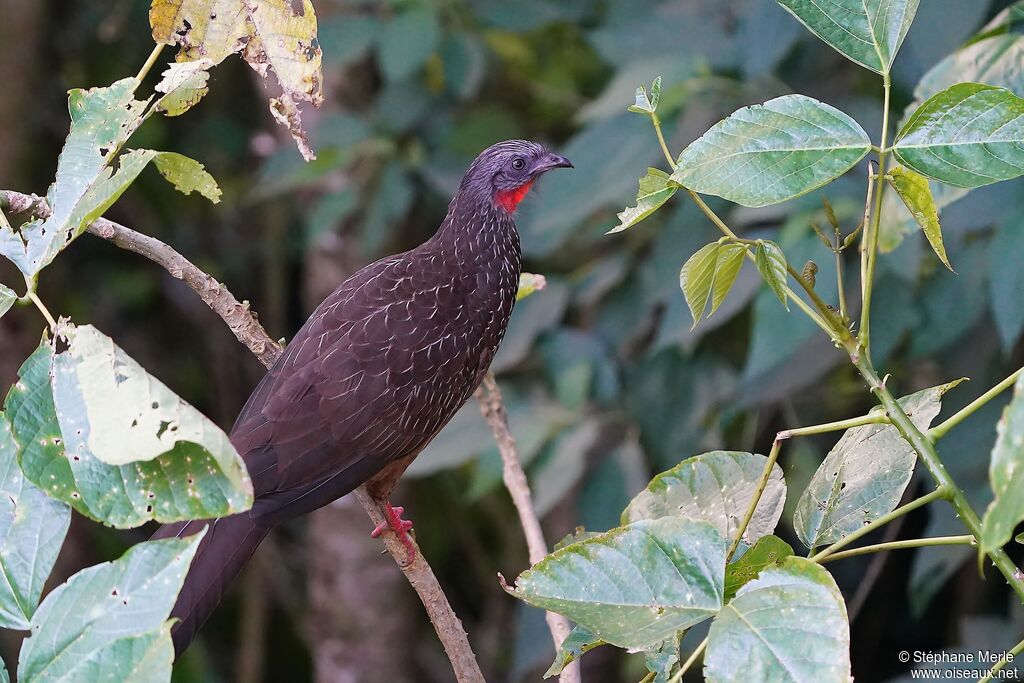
(504, 173)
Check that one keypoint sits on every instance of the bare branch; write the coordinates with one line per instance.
(243, 323)
(493, 408)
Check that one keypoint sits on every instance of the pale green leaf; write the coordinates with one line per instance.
(636, 585)
(576, 644)
(767, 552)
(187, 175)
(7, 299)
(109, 622)
(915, 192)
(869, 32)
(655, 189)
(768, 153)
(968, 135)
(716, 488)
(788, 625)
(1006, 474)
(864, 475)
(727, 267)
(771, 263)
(530, 283)
(32, 530)
(183, 85)
(696, 279)
(662, 658)
(645, 104)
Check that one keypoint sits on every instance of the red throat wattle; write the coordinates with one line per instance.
(509, 199)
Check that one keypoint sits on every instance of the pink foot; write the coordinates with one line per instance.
(401, 527)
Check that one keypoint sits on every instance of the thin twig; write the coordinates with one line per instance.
(248, 330)
(493, 408)
(939, 431)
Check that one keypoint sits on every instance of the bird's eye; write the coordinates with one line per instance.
(518, 164)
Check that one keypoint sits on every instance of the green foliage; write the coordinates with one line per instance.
(968, 135)
(187, 175)
(915, 192)
(1006, 475)
(771, 263)
(869, 32)
(708, 275)
(655, 189)
(772, 152)
(125, 633)
(579, 641)
(634, 586)
(789, 624)
(769, 551)
(716, 488)
(7, 299)
(647, 104)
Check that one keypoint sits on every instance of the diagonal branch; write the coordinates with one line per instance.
(243, 323)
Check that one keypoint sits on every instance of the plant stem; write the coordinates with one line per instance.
(823, 308)
(899, 545)
(42, 309)
(838, 425)
(766, 473)
(938, 493)
(689, 662)
(926, 452)
(661, 140)
(1017, 649)
(150, 61)
(939, 431)
(870, 239)
(841, 291)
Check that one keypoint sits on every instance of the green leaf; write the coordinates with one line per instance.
(769, 551)
(771, 263)
(187, 175)
(636, 585)
(530, 283)
(7, 299)
(32, 530)
(790, 625)
(111, 620)
(578, 642)
(915, 192)
(136, 450)
(655, 189)
(717, 488)
(102, 119)
(183, 85)
(863, 477)
(708, 275)
(1006, 474)
(645, 104)
(661, 659)
(968, 135)
(869, 32)
(768, 153)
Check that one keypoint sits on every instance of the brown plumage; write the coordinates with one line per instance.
(374, 374)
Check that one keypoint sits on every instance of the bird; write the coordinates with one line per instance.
(378, 369)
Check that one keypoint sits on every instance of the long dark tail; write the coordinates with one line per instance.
(228, 545)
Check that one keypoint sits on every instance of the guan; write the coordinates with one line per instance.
(375, 373)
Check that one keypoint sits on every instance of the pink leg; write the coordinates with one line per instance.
(401, 527)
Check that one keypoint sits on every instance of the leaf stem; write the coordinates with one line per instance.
(939, 493)
(840, 289)
(870, 239)
(939, 431)
(899, 545)
(689, 662)
(150, 61)
(838, 425)
(1017, 649)
(661, 140)
(822, 307)
(762, 483)
(34, 298)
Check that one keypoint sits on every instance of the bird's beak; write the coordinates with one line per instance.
(550, 161)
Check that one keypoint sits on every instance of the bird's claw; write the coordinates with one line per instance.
(401, 527)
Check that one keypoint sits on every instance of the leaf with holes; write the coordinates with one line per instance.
(769, 551)
(717, 488)
(1006, 474)
(183, 85)
(915, 192)
(186, 175)
(32, 530)
(869, 32)
(771, 263)
(655, 189)
(576, 644)
(769, 153)
(110, 621)
(863, 477)
(636, 585)
(968, 135)
(789, 625)
(708, 275)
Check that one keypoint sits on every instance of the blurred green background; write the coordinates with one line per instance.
(605, 381)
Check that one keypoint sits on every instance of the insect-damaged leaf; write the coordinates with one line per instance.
(864, 475)
(655, 189)
(717, 488)
(767, 552)
(186, 175)
(636, 585)
(916, 193)
(183, 85)
(578, 642)
(269, 34)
